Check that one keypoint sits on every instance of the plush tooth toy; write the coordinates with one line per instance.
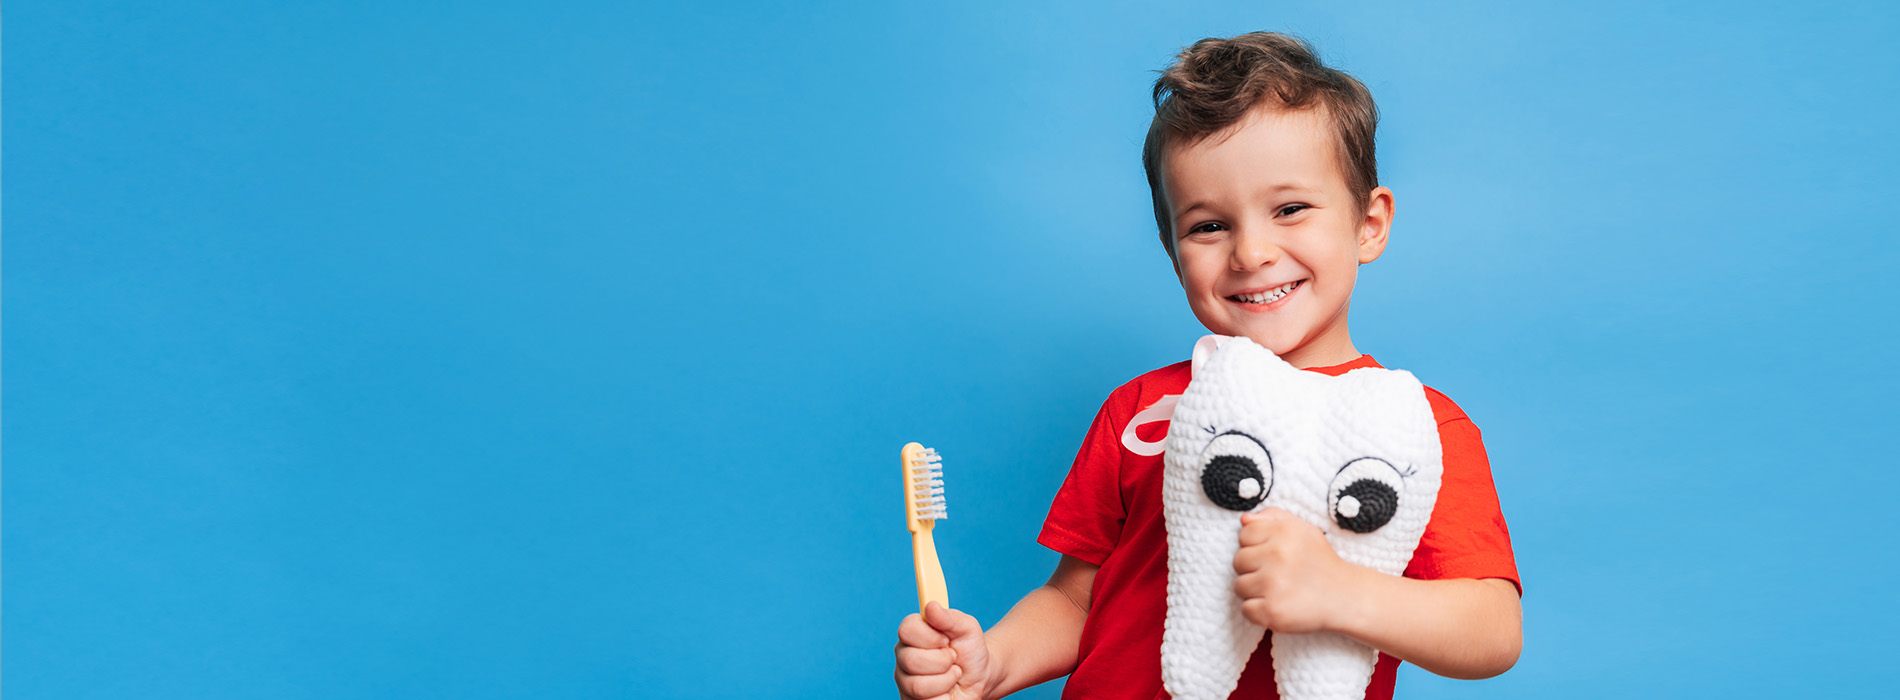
(1355, 455)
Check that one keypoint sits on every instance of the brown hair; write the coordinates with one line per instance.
(1215, 82)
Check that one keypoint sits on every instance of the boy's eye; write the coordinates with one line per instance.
(1208, 227)
(1292, 209)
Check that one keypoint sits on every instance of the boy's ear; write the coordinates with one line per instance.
(1377, 225)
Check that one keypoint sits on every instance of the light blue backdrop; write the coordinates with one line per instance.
(451, 350)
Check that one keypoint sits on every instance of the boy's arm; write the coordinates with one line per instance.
(1290, 580)
(1458, 628)
(1039, 638)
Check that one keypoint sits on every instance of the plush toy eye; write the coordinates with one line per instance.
(1236, 471)
(1365, 494)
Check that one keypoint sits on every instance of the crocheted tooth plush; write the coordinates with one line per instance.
(1355, 455)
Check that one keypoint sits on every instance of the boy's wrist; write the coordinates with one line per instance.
(1357, 602)
(995, 667)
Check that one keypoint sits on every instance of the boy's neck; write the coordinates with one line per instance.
(1307, 356)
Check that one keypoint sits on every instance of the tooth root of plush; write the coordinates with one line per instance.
(1321, 666)
(1198, 659)
(1206, 639)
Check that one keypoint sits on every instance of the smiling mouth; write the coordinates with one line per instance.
(1267, 296)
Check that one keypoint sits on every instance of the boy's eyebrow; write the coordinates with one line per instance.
(1268, 190)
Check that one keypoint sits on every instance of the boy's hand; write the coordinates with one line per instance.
(1290, 580)
(942, 654)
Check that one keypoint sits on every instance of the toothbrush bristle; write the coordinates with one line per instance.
(926, 478)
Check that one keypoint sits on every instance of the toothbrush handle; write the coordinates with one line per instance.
(929, 573)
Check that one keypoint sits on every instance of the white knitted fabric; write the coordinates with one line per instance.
(1254, 432)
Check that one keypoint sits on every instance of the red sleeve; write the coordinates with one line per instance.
(1466, 537)
(1085, 521)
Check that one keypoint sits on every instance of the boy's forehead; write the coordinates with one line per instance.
(1268, 148)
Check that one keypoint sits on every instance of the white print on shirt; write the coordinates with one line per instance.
(1160, 412)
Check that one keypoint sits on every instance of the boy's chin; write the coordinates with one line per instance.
(1273, 343)
(1276, 343)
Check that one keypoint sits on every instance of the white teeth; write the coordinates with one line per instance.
(1269, 296)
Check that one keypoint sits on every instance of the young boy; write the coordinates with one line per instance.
(1266, 194)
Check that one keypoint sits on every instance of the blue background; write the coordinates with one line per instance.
(458, 350)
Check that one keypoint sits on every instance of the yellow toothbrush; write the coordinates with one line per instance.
(923, 507)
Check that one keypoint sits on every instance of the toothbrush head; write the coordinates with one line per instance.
(923, 487)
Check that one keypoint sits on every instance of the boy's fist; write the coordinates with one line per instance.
(941, 654)
(1290, 580)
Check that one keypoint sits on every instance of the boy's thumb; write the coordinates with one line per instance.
(951, 623)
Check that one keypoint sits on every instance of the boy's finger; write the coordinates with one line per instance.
(1247, 560)
(966, 638)
(1268, 513)
(914, 632)
(1256, 528)
(927, 686)
(925, 662)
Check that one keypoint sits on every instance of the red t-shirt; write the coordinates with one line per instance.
(1108, 513)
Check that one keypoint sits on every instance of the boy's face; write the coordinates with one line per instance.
(1269, 237)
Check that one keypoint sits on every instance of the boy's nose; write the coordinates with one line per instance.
(1253, 250)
